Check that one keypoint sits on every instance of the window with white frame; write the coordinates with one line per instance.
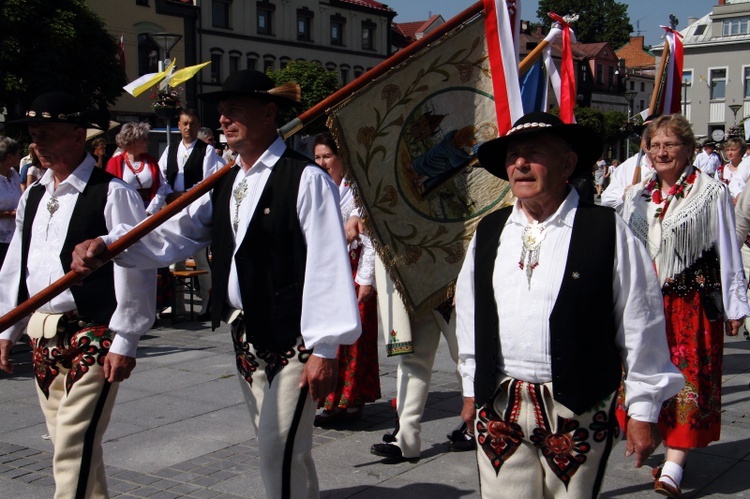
(216, 59)
(220, 11)
(269, 62)
(234, 62)
(368, 35)
(264, 18)
(252, 61)
(304, 24)
(337, 29)
(148, 55)
(687, 84)
(717, 83)
(737, 26)
(746, 82)
(344, 72)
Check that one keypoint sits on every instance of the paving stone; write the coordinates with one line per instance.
(121, 486)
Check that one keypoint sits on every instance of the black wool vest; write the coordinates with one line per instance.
(95, 297)
(586, 365)
(270, 260)
(193, 170)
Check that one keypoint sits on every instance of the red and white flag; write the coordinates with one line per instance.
(502, 24)
(121, 50)
(566, 94)
(670, 102)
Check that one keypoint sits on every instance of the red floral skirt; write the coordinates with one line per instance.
(359, 374)
(692, 418)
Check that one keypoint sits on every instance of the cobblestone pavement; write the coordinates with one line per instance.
(180, 429)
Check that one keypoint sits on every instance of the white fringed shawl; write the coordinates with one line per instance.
(689, 228)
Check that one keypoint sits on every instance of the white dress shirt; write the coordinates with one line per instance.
(144, 181)
(135, 290)
(210, 162)
(10, 193)
(525, 309)
(739, 179)
(622, 177)
(330, 316)
(366, 266)
(707, 163)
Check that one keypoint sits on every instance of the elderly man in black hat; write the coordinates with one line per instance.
(555, 299)
(280, 266)
(85, 339)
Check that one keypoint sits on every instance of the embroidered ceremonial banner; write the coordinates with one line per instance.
(409, 141)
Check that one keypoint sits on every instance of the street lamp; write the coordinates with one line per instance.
(630, 96)
(735, 108)
(166, 42)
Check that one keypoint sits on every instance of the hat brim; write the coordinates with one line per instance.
(586, 143)
(216, 97)
(27, 121)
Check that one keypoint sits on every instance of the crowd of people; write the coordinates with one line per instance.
(612, 320)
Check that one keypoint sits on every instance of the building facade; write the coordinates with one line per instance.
(716, 70)
(345, 36)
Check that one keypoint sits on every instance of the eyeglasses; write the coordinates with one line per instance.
(670, 147)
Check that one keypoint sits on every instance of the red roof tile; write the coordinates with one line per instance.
(371, 4)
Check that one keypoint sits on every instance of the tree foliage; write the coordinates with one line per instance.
(316, 81)
(56, 45)
(600, 20)
(614, 126)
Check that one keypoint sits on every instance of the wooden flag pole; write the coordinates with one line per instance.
(655, 97)
(659, 83)
(532, 57)
(29, 306)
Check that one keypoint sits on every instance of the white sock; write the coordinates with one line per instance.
(671, 473)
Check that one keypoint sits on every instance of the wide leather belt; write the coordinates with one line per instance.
(48, 325)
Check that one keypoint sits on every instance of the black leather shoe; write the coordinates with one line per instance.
(391, 453)
(461, 440)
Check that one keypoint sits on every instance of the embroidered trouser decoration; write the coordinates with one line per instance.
(534, 447)
(77, 404)
(73, 353)
(499, 437)
(246, 357)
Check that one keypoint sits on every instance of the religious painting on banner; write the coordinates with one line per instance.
(409, 142)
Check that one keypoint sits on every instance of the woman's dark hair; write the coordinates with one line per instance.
(8, 146)
(325, 139)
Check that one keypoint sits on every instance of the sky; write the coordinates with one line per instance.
(647, 14)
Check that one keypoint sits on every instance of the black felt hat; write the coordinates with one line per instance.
(251, 83)
(61, 107)
(583, 140)
(641, 127)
